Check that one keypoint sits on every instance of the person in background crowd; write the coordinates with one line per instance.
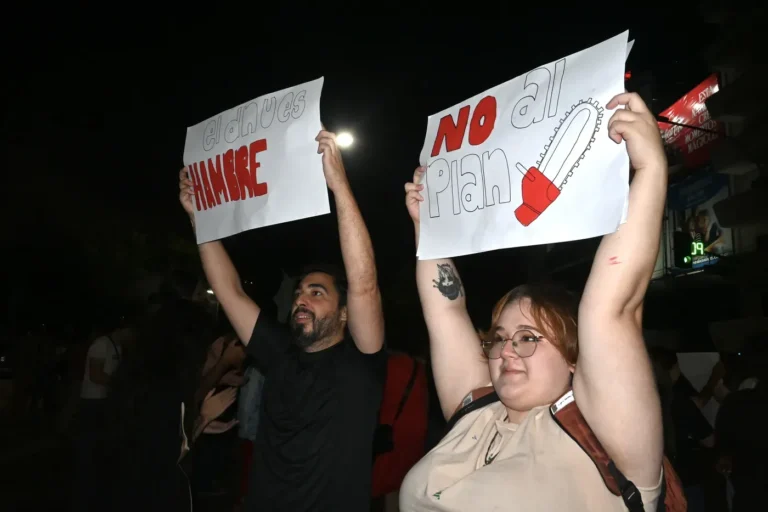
(662, 362)
(33, 357)
(223, 365)
(248, 414)
(213, 459)
(72, 366)
(740, 439)
(399, 441)
(102, 361)
(512, 453)
(153, 415)
(693, 455)
(322, 388)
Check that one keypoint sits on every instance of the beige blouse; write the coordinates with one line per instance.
(535, 466)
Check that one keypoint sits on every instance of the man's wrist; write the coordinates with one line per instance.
(342, 188)
(343, 194)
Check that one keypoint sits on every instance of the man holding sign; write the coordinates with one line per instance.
(322, 390)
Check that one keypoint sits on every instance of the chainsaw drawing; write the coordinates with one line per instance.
(543, 183)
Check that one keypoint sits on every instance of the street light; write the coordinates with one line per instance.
(344, 140)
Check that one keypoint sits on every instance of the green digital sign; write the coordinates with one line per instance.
(697, 249)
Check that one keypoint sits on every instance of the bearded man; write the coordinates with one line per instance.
(324, 375)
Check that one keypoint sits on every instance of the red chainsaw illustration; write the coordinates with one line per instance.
(543, 183)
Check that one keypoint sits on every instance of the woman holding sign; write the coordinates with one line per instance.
(507, 450)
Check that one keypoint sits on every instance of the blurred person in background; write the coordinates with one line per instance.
(689, 438)
(214, 458)
(102, 360)
(740, 439)
(248, 415)
(400, 437)
(154, 415)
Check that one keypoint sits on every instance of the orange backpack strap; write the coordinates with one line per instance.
(473, 397)
(674, 497)
(568, 416)
(475, 400)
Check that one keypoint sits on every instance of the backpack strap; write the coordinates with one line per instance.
(407, 391)
(114, 346)
(477, 399)
(567, 415)
(672, 490)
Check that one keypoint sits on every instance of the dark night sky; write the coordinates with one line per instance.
(97, 111)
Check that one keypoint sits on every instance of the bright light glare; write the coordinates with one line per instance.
(344, 140)
(210, 292)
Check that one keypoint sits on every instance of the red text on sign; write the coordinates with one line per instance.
(229, 177)
(480, 128)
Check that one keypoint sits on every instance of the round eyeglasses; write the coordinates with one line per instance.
(523, 343)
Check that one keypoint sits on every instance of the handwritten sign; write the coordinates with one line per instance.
(256, 164)
(528, 162)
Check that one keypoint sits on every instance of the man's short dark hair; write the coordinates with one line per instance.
(337, 273)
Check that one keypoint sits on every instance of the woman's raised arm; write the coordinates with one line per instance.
(613, 382)
(457, 357)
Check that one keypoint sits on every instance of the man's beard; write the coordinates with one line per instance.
(321, 328)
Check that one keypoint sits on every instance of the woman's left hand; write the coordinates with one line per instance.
(636, 125)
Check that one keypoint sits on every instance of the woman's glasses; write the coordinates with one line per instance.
(523, 343)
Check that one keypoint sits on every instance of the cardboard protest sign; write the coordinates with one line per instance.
(527, 162)
(257, 164)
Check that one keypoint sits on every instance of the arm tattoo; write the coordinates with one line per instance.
(448, 282)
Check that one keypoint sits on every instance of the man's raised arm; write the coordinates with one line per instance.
(366, 318)
(221, 273)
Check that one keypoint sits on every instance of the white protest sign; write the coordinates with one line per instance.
(625, 212)
(527, 162)
(257, 164)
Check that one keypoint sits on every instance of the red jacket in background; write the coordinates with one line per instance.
(409, 431)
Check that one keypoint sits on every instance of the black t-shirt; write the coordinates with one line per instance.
(313, 450)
